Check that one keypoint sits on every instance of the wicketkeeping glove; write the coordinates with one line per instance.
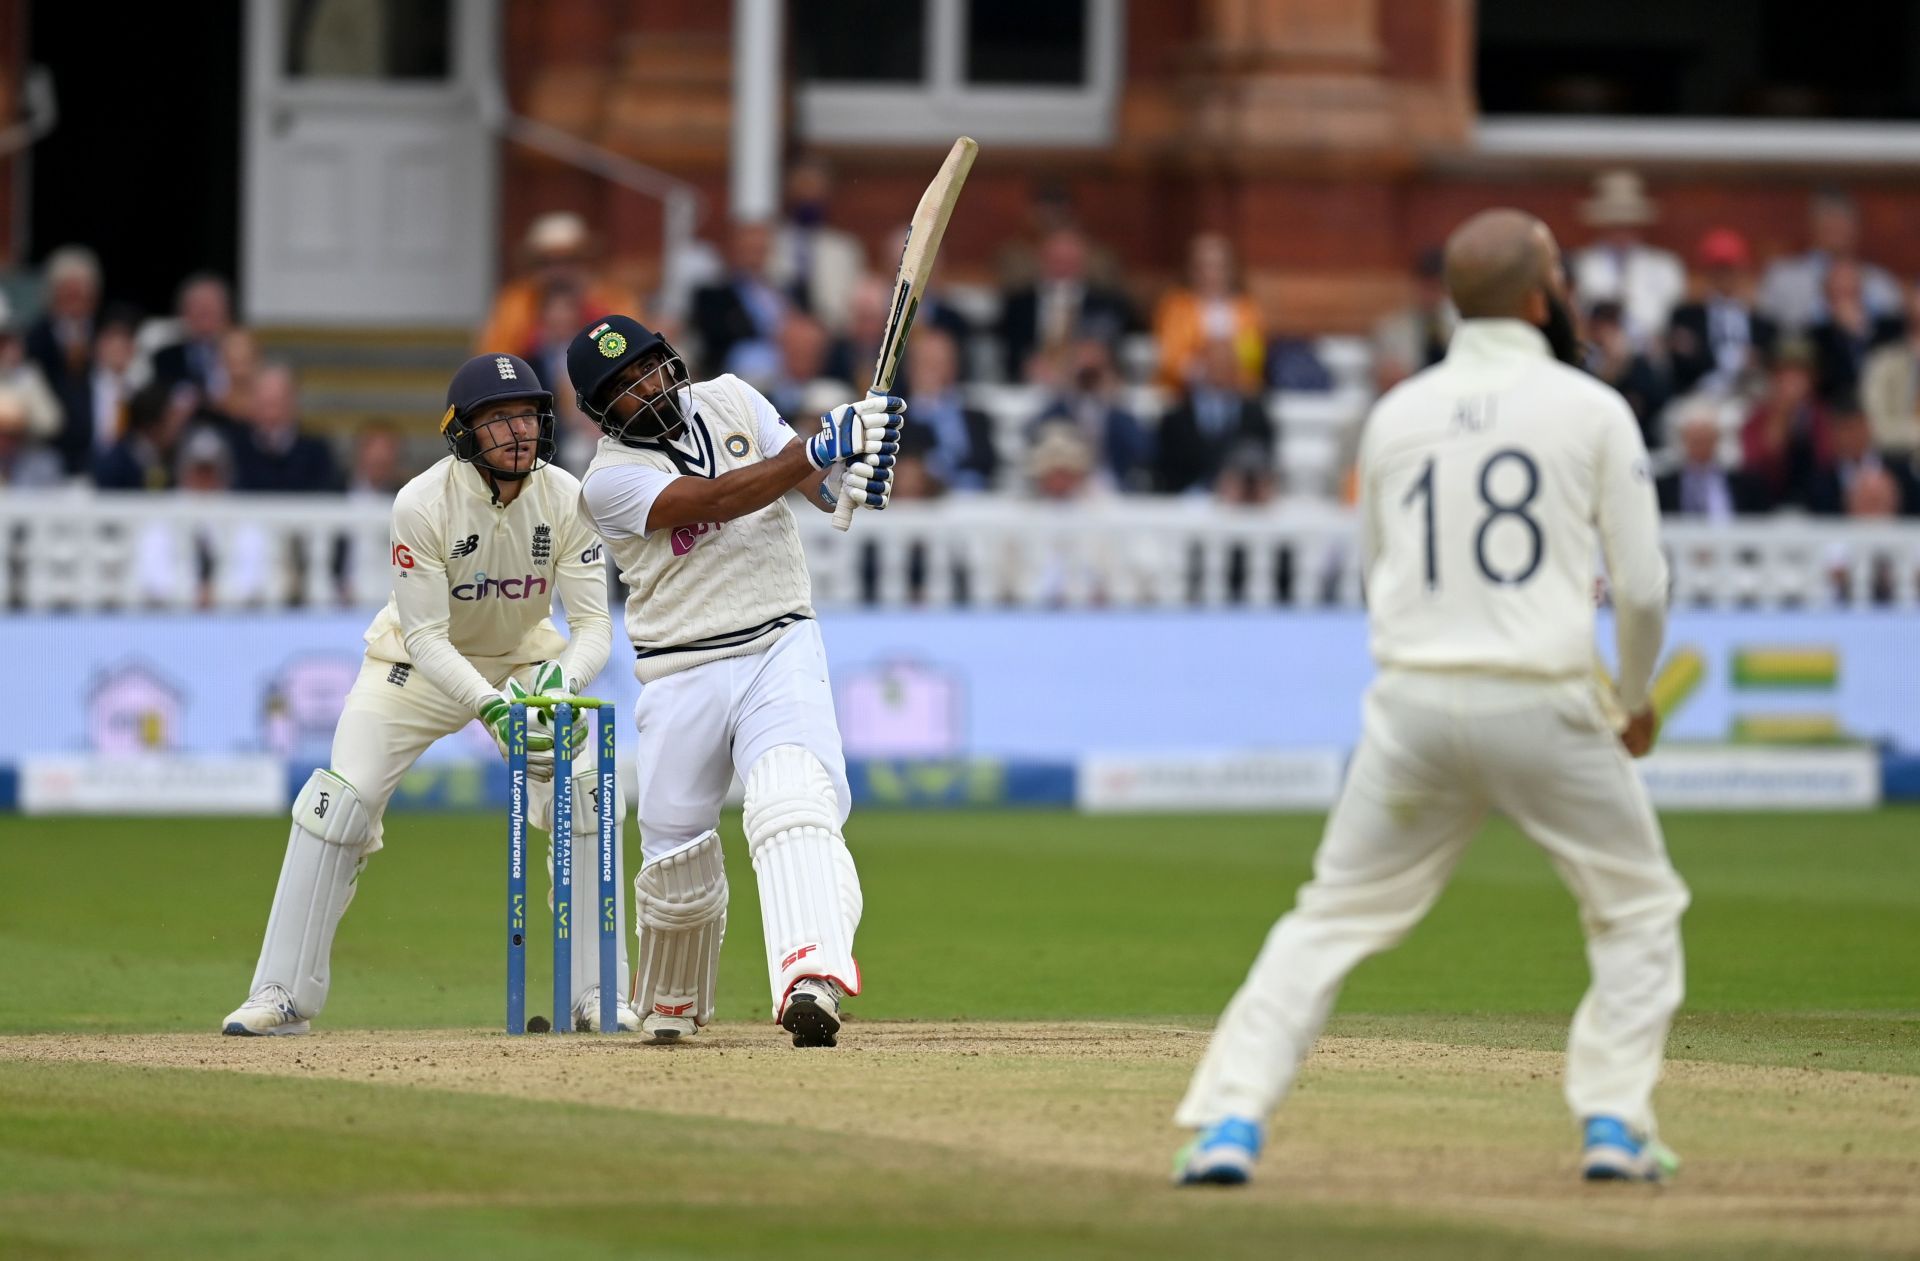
(868, 430)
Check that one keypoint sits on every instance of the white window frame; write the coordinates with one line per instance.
(944, 105)
(1552, 137)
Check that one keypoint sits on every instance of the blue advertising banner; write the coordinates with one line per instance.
(943, 688)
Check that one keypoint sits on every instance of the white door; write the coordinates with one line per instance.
(369, 174)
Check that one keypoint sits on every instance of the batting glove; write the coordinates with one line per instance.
(871, 487)
(868, 429)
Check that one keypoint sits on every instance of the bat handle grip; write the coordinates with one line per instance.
(843, 510)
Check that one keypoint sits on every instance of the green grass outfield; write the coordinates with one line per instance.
(1803, 952)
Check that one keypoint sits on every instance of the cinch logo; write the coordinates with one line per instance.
(797, 956)
(687, 537)
(593, 554)
(483, 588)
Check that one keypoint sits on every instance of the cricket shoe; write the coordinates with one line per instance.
(1612, 1152)
(664, 1030)
(586, 1013)
(267, 1012)
(812, 1012)
(1220, 1155)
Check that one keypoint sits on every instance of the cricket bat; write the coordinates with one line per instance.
(916, 267)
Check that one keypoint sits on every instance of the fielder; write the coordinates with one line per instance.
(687, 488)
(482, 542)
(1488, 483)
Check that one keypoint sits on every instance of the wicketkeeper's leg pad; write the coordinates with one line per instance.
(809, 891)
(680, 905)
(326, 848)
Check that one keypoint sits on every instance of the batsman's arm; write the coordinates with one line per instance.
(692, 500)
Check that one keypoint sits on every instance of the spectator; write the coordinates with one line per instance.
(61, 343)
(1843, 339)
(1717, 344)
(1860, 574)
(1890, 387)
(739, 317)
(558, 253)
(23, 376)
(803, 353)
(114, 356)
(1063, 304)
(1830, 492)
(1086, 394)
(1702, 486)
(1416, 336)
(377, 468)
(205, 309)
(1793, 288)
(207, 563)
(1619, 266)
(818, 266)
(26, 462)
(961, 453)
(1787, 437)
(1213, 307)
(1215, 418)
(1612, 356)
(272, 453)
(1060, 465)
(144, 459)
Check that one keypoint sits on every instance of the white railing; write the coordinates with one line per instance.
(76, 550)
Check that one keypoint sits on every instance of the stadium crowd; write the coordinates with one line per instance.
(1761, 384)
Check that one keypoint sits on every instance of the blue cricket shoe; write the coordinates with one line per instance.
(1221, 1155)
(1612, 1152)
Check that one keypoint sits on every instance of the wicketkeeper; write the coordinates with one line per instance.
(482, 542)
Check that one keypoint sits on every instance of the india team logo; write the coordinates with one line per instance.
(736, 445)
(613, 345)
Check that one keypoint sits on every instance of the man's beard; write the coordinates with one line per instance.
(1559, 330)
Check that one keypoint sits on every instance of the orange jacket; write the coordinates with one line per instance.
(1180, 330)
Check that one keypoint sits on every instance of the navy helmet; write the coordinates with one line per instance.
(645, 405)
(507, 451)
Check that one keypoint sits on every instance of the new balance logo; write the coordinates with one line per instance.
(466, 546)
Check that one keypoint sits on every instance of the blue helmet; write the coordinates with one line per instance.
(486, 379)
(601, 352)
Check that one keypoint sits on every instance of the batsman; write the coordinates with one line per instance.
(482, 543)
(688, 488)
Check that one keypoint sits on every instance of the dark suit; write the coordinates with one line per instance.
(724, 319)
(1124, 448)
(185, 361)
(1840, 356)
(1690, 343)
(306, 465)
(1103, 314)
(1189, 454)
(1827, 490)
(72, 384)
(956, 442)
(1744, 494)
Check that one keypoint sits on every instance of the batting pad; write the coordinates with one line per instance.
(809, 892)
(326, 848)
(680, 901)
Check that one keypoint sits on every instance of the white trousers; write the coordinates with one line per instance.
(1437, 752)
(701, 726)
(391, 715)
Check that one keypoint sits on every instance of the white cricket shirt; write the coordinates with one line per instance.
(1489, 484)
(474, 581)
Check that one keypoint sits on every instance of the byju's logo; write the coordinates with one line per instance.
(485, 588)
(687, 537)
